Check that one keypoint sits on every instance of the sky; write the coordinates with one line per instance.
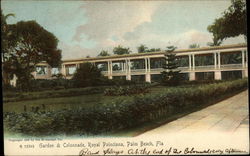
(85, 28)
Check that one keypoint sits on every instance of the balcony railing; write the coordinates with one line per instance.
(231, 66)
(183, 69)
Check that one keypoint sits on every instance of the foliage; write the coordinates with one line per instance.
(153, 50)
(87, 75)
(120, 114)
(126, 90)
(5, 44)
(121, 50)
(104, 53)
(5, 33)
(170, 76)
(195, 45)
(11, 96)
(30, 44)
(142, 48)
(233, 23)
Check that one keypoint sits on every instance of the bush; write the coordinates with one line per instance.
(120, 114)
(196, 82)
(45, 84)
(126, 90)
(87, 75)
(21, 96)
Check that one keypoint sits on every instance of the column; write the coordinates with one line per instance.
(218, 60)
(49, 75)
(77, 65)
(110, 70)
(148, 77)
(245, 70)
(147, 66)
(127, 65)
(122, 65)
(246, 59)
(215, 60)
(193, 61)
(190, 62)
(217, 75)
(191, 76)
(243, 58)
(63, 70)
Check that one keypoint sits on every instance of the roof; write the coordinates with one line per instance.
(160, 52)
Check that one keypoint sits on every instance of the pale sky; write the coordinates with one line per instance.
(87, 27)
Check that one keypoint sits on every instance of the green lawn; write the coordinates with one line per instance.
(72, 102)
(83, 101)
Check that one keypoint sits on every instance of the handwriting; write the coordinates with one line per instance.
(86, 151)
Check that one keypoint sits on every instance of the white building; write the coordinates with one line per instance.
(211, 62)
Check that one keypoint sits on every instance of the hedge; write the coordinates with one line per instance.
(120, 114)
(127, 90)
(21, 96)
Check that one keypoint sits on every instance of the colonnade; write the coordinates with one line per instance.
(148, 70)
(191, 70)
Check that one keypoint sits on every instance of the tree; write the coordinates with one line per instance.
(216, 29)
(153, 50)
(30, 45)
(104, 53)
(121, 50)
(5, 44)
(4, 32)
(195, 45)
(87, 75)
(170, 76)
(233, 23)
(142, 48)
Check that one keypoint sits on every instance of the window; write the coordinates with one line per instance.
(41, 70)
(70, 69)
(55, 71)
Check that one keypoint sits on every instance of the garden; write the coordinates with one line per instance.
(103, 110)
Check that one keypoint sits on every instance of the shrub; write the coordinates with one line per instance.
(45, 84)
(20, 96)
(126, 90)
(87, 75)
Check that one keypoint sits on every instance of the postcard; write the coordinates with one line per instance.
(125, 77)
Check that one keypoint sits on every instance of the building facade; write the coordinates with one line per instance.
(218, 63)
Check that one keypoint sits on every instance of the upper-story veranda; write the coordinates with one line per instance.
(216, 60)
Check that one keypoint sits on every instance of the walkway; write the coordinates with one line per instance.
(226, 122)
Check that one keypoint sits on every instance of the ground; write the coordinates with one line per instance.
(222, 125)
(230, 116)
